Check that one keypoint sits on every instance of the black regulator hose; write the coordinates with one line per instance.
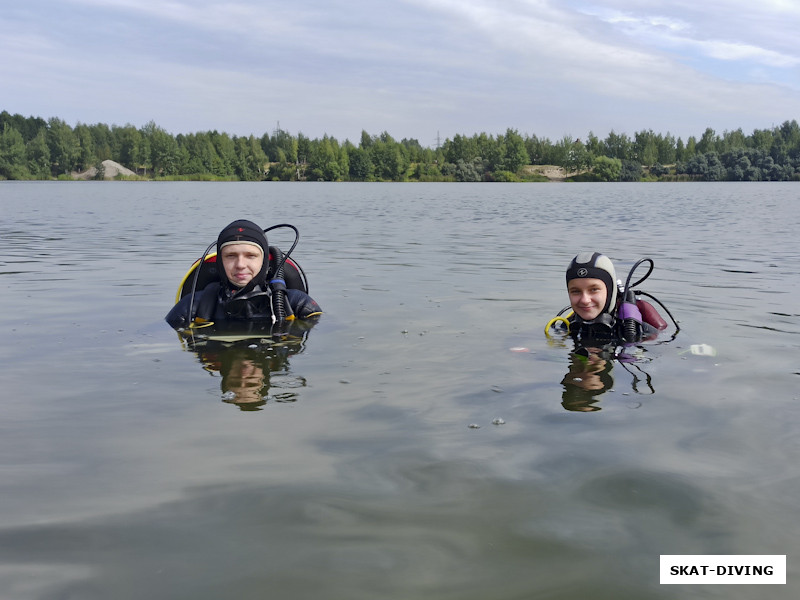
(296, 239)
(278, 282)
(278, 287)
(200, 264)
(634, 267)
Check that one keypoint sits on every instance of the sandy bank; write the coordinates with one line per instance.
(110, 170)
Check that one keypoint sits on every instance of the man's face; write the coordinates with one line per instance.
(246, 379)
(587, 297)
(241, 262)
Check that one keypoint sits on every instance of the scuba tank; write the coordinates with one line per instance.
(650, 314)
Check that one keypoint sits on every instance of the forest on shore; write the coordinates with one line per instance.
(32, 148)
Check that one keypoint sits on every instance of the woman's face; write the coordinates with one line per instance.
(587, 296)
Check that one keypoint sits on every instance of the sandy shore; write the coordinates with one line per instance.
(552, 172)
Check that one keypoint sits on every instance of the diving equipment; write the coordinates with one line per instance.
(632, 320)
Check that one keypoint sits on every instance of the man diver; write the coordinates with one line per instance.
(248, 288)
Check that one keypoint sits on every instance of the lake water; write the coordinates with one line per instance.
(374, 469)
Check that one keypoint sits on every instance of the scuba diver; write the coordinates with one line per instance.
(246, 281)
(607, 320)
(603, 309)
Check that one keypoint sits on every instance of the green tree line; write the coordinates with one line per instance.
(35, 148)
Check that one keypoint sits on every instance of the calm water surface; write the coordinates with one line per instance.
(128, 472)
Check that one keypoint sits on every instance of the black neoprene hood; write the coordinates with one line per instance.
(245, 231)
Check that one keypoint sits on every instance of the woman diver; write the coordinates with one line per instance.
(257, 282)
(603, 309)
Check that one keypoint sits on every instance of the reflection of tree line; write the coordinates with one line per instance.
(254, 370)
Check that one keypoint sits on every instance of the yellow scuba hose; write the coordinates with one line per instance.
(551, 323)
(199, 323)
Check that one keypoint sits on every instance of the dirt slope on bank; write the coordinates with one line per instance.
(110, 170)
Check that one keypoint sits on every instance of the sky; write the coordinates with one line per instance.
(417, 69)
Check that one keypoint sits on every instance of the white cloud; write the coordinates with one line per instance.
(672, 34)
(745, 52)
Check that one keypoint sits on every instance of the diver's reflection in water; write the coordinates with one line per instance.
(251, 362)
(588, 377)
(589, 374)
